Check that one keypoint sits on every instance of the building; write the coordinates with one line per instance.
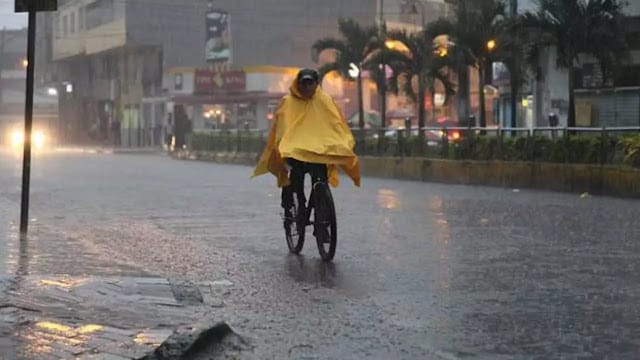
(117, 62)
(615, 102)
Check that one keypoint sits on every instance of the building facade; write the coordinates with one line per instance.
(614, 101)
(112, 58)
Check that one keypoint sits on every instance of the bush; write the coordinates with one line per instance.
(631, 148)
(587, 149)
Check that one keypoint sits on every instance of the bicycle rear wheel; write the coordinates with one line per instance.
(293, 228)
(324, 221)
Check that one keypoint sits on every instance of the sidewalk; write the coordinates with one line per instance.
(111, 150)
(44, 317)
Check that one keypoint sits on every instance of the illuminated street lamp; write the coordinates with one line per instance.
(491, 45)
(354, 71)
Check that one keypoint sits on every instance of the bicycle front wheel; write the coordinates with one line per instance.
(324, 222)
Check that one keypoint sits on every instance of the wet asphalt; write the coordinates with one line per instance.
(422, 270)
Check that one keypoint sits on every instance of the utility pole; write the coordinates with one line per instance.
(30, 6)
(28, 120)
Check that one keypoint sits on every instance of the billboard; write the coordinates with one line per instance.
(41, 5)
(218, 36)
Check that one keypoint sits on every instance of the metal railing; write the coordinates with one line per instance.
(550, 144)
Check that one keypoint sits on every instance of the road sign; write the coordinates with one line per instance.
(41, 5)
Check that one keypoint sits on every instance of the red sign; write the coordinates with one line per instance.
(209, 82)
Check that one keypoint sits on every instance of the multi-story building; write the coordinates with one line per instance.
(614, 102)
(111, 55)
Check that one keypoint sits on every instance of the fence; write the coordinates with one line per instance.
(545, 144)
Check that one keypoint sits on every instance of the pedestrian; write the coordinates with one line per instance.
(181, 126)
(168, 131)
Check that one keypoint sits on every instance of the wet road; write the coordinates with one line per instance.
(422, 270)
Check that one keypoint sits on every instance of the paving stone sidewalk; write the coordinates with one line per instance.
(61, 317)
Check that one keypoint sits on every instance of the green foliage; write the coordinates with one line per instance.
(581, 149)
(631, 148)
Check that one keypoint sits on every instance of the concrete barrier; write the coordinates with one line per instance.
(578, 178)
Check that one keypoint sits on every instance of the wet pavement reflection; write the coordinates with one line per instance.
(422, 271)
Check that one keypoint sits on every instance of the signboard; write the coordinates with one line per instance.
(500, 74)
(209, 82)
(218, 36)
(41, 5)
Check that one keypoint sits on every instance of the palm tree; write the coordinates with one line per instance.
(414, 60)
(579, 27)
(478, 25)
(351, 49)
(511, 52)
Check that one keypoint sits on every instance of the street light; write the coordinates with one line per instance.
(354, 71)
(491, 45)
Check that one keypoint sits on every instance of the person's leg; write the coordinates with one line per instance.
(296, 183)
(318, 172)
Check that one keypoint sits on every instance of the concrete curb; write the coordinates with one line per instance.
(112, 317)
(574, 178)
(187, 342)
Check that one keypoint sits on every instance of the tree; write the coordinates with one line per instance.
(351, 49)
(575, 28)
(475, 33)
(413, 58)
(512, 50)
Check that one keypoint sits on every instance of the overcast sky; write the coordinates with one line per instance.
(8, 18)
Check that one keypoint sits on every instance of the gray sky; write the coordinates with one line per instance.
(8, 18)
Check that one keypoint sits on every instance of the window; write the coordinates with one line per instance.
(72, 23)
(65, 25)
(177, 81)
(99, 13)
(81, 19)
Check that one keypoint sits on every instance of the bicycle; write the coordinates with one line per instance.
(324, 219)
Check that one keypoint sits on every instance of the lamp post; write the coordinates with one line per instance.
(383, 82)
(355, 71)
(491, 46)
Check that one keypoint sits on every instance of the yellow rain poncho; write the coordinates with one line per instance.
(312, 130)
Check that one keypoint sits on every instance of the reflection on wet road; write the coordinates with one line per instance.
(422, 270)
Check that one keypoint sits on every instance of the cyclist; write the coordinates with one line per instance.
(309, 135)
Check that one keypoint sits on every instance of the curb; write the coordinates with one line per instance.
(570, 178)
(125, 317)
(187, 342)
